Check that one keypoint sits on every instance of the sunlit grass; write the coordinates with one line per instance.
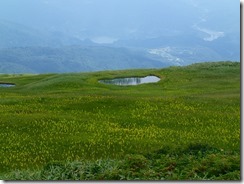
(72, 117)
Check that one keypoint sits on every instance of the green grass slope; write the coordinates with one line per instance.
(186, 126)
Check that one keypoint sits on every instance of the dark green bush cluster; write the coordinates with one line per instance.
(195, 162)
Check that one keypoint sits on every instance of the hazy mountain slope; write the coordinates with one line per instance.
(189, 48)
(140, 34)
(124, 19)
(93, 58)
(73, 59)
(18, 35)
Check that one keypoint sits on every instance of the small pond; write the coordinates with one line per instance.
(6, 85)
(131, 80)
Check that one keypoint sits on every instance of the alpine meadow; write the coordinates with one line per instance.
(71, 127)
(111, 90)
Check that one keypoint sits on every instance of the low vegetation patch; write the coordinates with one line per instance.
(59, 122)
(196, 162)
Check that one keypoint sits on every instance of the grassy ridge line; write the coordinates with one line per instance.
(67, 117)
(183, 78)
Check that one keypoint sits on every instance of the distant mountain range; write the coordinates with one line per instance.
(26, 50)
(17, 35)
(73, 59)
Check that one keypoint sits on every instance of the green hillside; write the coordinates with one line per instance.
(70, 126)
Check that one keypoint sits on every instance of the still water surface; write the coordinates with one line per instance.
(131, 80)
(6, 85)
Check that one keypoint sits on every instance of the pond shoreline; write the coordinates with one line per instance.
(7, 84)
(127, 81)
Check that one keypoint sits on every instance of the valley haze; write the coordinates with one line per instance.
(65, 115)
(58, 36)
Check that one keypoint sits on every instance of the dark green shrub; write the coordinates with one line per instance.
(135, 162)
(198, 149)
(62, 171)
